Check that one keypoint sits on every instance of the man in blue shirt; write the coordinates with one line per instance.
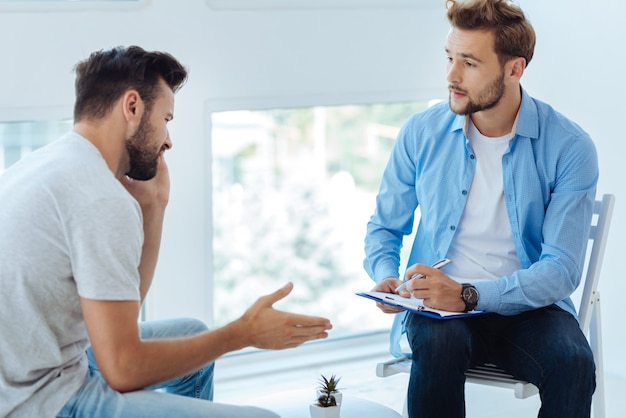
(505, 188)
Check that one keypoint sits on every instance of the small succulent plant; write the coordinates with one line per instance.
(327, 387)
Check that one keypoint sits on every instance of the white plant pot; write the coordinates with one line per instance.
(321, 412)
(337, 394)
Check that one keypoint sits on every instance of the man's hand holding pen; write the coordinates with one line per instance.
(426, 282)
(435, 287)
(418, 275)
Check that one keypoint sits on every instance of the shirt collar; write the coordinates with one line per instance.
(528, 117)
(526, 124)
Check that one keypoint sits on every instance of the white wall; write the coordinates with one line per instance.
(261, 58)
(578, 69)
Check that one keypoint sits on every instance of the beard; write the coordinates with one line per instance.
(487, 99)
(143, 161)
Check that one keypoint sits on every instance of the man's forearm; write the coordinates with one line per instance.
(153, 227)
(153, 361)
(128, 362)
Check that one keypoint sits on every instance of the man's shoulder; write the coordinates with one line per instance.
(68, 174)
(553, 135)
(74, 165)
(548, 119)
(69, 155)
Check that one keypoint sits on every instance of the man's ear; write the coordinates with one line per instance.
(133, 107)
(516, 67)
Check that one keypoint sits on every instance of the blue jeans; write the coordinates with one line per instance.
(187, 397)
(545, 347)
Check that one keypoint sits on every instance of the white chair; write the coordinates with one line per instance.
(588, 314)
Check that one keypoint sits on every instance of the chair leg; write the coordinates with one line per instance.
(595, 339)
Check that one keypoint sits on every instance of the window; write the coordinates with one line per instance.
(69, 5)
(293, 190)
(20, 138)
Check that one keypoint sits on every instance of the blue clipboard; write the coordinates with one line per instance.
(415, 305)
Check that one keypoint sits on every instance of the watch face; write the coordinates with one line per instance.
(470, 295)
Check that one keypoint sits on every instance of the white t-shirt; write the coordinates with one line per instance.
(68, 229)
(483, 248)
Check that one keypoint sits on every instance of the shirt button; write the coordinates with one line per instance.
(452, 227)
(472, 156)
(464, 192)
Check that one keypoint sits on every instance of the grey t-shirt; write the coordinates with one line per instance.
(68, 229)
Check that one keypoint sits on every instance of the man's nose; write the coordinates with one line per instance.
(168, 142)
(454, 73)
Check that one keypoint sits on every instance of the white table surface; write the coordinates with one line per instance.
(295, 404)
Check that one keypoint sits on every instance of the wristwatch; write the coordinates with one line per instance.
(470, 296)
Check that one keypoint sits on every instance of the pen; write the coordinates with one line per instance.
(438, 265)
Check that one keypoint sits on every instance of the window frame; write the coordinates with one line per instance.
(69, 5)
(283, 102)
(318, 4)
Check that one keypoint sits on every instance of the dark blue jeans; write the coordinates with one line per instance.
(545, 347)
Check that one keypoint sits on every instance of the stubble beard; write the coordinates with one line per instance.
(489, 98)
(143, 160)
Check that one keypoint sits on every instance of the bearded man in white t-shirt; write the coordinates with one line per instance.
(81, 223)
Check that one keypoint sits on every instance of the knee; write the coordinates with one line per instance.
(581, 357)
(438, 343)
(438, 336)
(167, 328)
(582, 361)
(576, 366)
(570, 376)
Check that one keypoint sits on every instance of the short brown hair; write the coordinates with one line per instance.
(106, 75)
(515, 36)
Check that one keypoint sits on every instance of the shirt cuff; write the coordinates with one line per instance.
(489, 296)
(385, 270)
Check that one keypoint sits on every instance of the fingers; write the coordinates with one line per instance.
(126, 181)
(417, 269)
(272, 298)
(154, 192)
(269, 328)
(302, 333)
(418, 284)
(161, 164)
(388, 309)
(388, 285)
(304, 321)
(436, 289)
(290, 330)
(295, 340)
(163, 171)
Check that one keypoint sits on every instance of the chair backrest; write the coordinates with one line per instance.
(602, 213)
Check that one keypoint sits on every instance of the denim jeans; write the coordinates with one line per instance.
(545, 347)
(187, 397)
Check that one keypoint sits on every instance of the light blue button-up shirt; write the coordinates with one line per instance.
(550, 172)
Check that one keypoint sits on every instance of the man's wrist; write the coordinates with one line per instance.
(469, 296)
